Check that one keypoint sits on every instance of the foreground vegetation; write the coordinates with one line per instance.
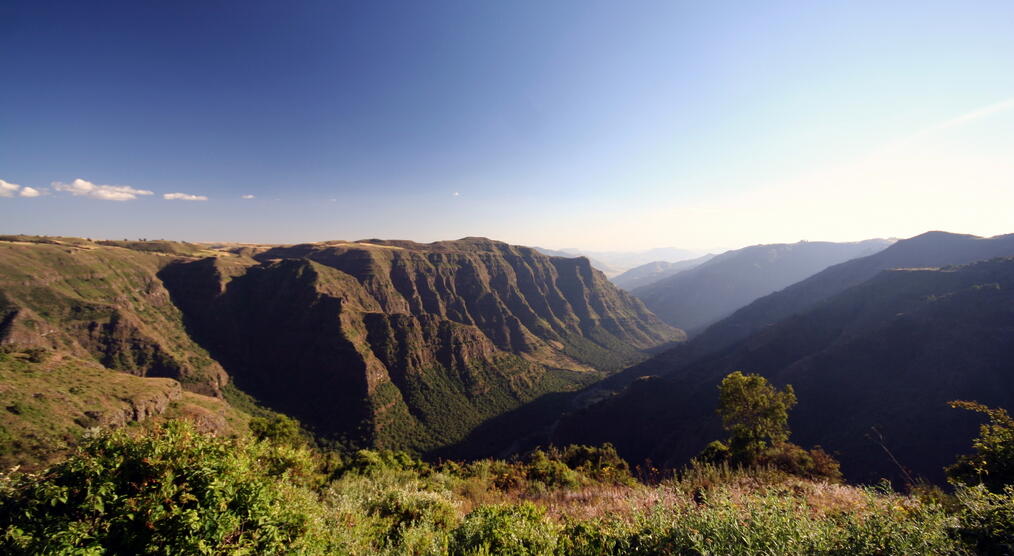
(174, 490)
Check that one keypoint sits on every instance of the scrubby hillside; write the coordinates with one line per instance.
(101, 302)
(48, 400)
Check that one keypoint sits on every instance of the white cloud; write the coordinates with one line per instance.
(7, 189)
(247, 197)
(30, 192)
(183, 197)
(85, 188)
(456, 194)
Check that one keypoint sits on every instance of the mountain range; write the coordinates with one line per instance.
(614, 263)
(699, 296)
(654, 271)
(474, 347)
(372, 343)
(873, 353)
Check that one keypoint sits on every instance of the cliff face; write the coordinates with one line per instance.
(404, 344)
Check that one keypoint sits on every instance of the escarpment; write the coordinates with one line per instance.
(393, 343)
(371, 343)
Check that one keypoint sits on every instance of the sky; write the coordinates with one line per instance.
(596, 125)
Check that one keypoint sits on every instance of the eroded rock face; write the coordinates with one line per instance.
(404, 344)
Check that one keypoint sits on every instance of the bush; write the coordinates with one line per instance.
(408, 508)
(987, 519)
(277, 428)
(992, 464)
(548, 474)
(508, 530)
(170, 492)
(368, 462)
(599, 463)
(813, 464)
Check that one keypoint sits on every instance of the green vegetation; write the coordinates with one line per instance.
(756, 415)
(992, 464)
(49, 400)
(175, 490)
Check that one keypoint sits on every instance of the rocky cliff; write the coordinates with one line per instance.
(395, 343)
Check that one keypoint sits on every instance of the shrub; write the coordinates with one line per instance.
(549, 473)
(508, 530)
(367, 462)
(170, 492)
(813, 464)
(277, 428)
(987, 519)
(992, 464)
(599, 463)
(408, 508)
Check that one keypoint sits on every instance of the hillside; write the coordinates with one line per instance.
(873, 367)
(654, 271)
(928, 250)
(49, 400)
(101, 302)
(696, 298)
(382, 343)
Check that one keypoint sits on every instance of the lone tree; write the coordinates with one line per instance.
(755, 413)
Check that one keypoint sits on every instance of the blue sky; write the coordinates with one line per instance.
(600, 125)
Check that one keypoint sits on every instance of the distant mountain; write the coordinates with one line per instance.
(614, 263)
(654, 271)
(872, 366)
(573, 253)
(374, 343)
(928, 250)
(696, 298)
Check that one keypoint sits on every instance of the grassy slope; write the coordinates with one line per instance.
(46, 406)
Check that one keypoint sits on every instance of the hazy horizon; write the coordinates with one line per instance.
(588, 125)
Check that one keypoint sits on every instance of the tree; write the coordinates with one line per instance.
(755, 414)
(992, 464)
